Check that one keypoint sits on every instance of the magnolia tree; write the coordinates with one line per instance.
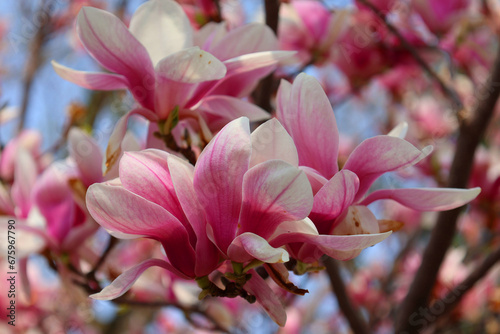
(221, 166)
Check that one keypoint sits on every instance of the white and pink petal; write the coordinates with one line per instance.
(426, 199)
(271, 141)
(273, 192)
(218, 179)
(124, 282)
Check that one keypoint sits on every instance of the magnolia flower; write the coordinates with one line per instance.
(243, 200)
(440, 16)
(340, 196)
(309, 28)
(27, 140)
(156, 60)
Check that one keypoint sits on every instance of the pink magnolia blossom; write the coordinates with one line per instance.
(441, 15)
(27, 140)
(165, 72)
(340, 196)
(57, 195)
(243, 200)
(367, 48)
(309, 28)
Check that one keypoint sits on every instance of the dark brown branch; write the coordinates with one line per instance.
(263, 92)
(450, 92)
(352, 314)
(454, 297)
(471, 131)
(112, 242)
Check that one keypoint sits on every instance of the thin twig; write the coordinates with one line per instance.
(112, 242)
(35, 57)
(265, 89)
(471, 131)
(352, 314)
(186, 310)
(450, 92)
(454, 297)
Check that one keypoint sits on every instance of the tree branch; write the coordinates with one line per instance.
(454, 297)
(450, 92)
(471, 130)
(263, 92)
(352, 314)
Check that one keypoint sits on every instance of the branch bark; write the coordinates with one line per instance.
(471, 131)
(352, 314)
(263, 92)
(454, 297)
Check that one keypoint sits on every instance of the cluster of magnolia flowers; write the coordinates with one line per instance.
(223, 200)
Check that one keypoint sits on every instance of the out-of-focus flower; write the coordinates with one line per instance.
(27, 140)
(440, 16)
(309, 28)
(431, 120)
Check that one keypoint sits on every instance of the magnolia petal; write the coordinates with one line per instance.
(340, 247)
(337, 194)
(218, 179)
(283, 97)
(316, 180)
(191, 65)
(229, 108)
(87, 156)
(25, 174)
(249, 246)
(109, 41)
(182, 174)
(380, 154)
(146, 173)
(357, 220)
(6, 204)
(162, 27)
(28, 140)
(426, 199)
(249, 38)
(253, 61)
(124, 282)
(308, 117)
(333, 198)
(52, 195)
(301, 226)
(273, 192)
(337, 24)
(35, 239)
(399, 131)
(386, 225)
(91, 80)
(266, 297)
(244, 72)
(305, 232)
(179, 75)
(114, 149)
(271, 141)
(135, 215)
